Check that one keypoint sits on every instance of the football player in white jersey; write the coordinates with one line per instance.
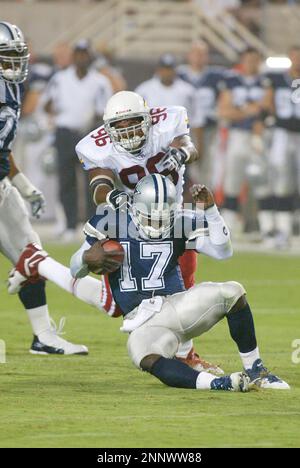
(133, 142)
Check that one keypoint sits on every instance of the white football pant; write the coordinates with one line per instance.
(15, 228)
(183, 316)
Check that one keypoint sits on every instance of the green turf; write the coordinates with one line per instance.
(102, 401)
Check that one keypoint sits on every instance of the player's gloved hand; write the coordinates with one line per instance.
(118, 200)
(99, 261)
(201, 194)
(30, 193)
(37, 203)
(174, 158)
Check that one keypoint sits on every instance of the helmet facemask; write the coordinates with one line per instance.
(14, 59)
(133, 137)
(156, 222)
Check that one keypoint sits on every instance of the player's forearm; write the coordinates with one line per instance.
(194, 154)
(18, 179)
(78, 267)
(101, 183)
(217, 244)
(185, 143)
(100, 193)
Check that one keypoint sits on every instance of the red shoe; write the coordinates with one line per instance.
(26, 267)
(196, 362)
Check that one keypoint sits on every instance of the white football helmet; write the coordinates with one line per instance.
(154, 206)
(14, 55)
(127, 105)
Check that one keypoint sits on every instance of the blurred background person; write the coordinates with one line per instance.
(240, 106)
(75, 97)
(62, 55)
(166, 89)
(104, 64)
(283, 101)
(207, 80)
(35, 150)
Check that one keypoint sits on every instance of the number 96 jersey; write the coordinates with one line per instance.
(97, 151)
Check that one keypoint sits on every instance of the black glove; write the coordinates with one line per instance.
(118, 200)
(173, 159)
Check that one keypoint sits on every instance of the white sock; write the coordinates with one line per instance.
(184, 349)
(266, 221)
(204, 380)
(284, 222)
(39, 319)
(248, 359)
(88, 289)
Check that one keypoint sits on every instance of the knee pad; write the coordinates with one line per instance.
(151, 340)
(231, 292)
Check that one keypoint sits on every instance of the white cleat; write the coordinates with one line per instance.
(273, 383)
(53, 344)
(50, 342)
(260, 377)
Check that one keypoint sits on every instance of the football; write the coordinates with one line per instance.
(111, 245)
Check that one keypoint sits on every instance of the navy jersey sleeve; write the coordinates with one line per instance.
(106, 223)
(10, 105)
(8, 127)
(230, 80)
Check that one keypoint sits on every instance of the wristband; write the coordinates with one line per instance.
(187, 154)
(24, 186)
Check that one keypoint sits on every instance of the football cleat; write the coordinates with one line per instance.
(26, 267)
(236, 382)
(261, 377)
(51, 343)
(199, 364)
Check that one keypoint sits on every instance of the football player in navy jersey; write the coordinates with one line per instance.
(15, 228)
(283, 102)
(134, 141)
(240, 107)
(207, 81)
(158, 313)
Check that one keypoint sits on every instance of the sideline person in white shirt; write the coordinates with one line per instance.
(75, 98)
(166, 89)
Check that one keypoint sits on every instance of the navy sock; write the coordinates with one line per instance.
(33, 295)
(242, 331)
(174, 373)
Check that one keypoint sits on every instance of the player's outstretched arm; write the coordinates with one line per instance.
(28, 191)
(102, 181)
(185, 143)
(217, 243)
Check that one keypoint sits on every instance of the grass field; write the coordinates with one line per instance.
(101, 400)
